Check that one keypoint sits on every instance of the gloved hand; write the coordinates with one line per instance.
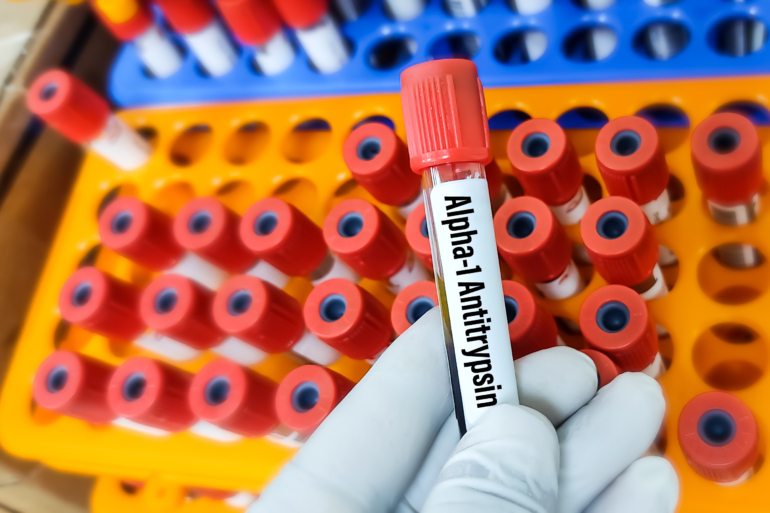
(392, 444)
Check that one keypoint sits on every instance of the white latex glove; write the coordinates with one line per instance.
(392, 444)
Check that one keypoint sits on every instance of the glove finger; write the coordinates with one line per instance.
(604, 437)
(649, 485)
(556, 382)
(364, 455)
(508, 462)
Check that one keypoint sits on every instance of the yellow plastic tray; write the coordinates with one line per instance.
(715, 341)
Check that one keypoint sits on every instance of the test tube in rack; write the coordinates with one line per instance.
(606, 370)
(412, 303)
(285, 238)
(81, 115)
(530, 327)
(404, 10)
(418, 236)
(371, 244)
(464, 8)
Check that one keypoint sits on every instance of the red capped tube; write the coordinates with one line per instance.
(632, 165)
(547, 167)
(307, 395)
(254, 22)
(74, 385)
(615, 321)
(622, 245)
(533, 242)
(282, 236)
(234, 398)
(141, 233)
(151, 393)
(530, 327)
(129, 29)
(258, 313)
(348, 318)
(379, 160)
(727, 158)
(606, 370)
(719, 437)
(180, 308)
(302, 14)
(209, 229)
(412, 303)
(418, 237)
(102, 304)
(187, 16)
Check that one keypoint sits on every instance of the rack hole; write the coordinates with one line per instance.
(755, 112)
(730, 356)
(570, 332)
(590, 44)
(661, 40)
(665, 116)
(593, 188)
(455, 45)
(307, 141)
(734, 273)
(172, 197)
(583, 117)
(297, 191)
(191, 145)
(391, 52)
(520, 47)
(238, 195)
(384, 120)
(508, 119)
(246, 143)
(595, 5)
(113, 194)
(738, 36)
(91, 257)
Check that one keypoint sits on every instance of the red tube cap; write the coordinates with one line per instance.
(380, 162)
(365, 239)
(307, 395)
(180, 308)
(727, 158)
(254, 22)
(412, 303)
(151, 393)
(531, 240)
(444, 114)
(259, 313)
(68, 105)
(615, 321)
(141, 233)
(234, 398)
(605, 368)
(208, 228)
(417, 236)
(129, 29)
(530, 327)
(284, 237)
(74, 385)
(187, 16)
(301, 14)
(102, 304)
(630, 160)
(719, 436)
(545, 162)
(619, 240)
(348, 318)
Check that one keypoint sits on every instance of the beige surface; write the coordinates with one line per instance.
(17, 24)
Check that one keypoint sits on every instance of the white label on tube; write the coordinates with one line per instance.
(478, 347)
(572, 212)
(324, 45)
(268, 273)
(412, 272)
(158, 53)
(121, 145)
(274, 56)
(464, 8)
(215, 53)
(659, 209)
(567, 284)
(735, 215)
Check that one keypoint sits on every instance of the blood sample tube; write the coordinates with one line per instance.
(317, 32)
(464, 8)
(233, 402)
(379, 160)
(81, 115)
(285, 238)
(526, 7)
(307, 395)
(533, 242)
(74, 385)
(146, 393)
(144, 235)
(404, 10)
(132, 21)
(530, 327)
(622, 245)
(606, 370)
(448, 139)
(632, 165)
(547, 167)
(267, 318)
(739, 37)
(349, 319)
(719, 437)
(196, 22)
(211, 230)
(615, 321)
(371, 244)
(256, 23)
(412, 303)
(418, 236)
(727, 158)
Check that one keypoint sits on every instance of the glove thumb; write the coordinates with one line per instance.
(508, 462)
